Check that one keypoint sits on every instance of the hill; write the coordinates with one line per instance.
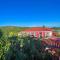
(15, 29)
(7, 29)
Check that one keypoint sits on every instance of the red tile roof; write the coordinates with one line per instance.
(49, 42)
(39, 29)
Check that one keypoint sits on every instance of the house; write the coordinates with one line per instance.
(43, 32)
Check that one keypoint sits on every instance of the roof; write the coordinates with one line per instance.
(48, 42)
(39, 29)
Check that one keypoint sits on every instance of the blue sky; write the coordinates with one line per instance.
(30, 13)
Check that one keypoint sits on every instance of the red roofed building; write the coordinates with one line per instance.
(38, 32)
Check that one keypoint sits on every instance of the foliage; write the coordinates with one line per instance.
(11, 49)
(1, 33)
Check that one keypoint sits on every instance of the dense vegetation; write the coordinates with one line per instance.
(17, 48)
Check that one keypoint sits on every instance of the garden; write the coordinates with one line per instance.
(22, 48)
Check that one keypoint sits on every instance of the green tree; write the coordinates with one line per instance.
(1, 33)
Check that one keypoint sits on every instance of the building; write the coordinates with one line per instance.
(43, 32)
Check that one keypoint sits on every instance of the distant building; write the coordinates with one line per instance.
(37, 32)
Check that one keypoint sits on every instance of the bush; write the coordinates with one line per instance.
(31, 49)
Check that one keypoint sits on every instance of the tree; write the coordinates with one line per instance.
(1, 33)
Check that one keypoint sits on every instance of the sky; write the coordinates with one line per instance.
(28, 13)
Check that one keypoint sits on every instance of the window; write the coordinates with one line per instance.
(48, 34)
(34, 33)
(40, 34)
